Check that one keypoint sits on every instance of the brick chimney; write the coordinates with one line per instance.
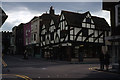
(51, 11)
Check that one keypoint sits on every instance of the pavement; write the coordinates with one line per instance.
(35, 68)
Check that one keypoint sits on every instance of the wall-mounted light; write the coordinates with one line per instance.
(81, 45)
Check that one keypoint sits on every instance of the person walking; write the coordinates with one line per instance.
(102, 59)
(25, 54)
(107, 60)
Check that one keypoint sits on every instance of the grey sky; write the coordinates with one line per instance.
(24, 11)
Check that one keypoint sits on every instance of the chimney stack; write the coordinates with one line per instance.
(51, 11)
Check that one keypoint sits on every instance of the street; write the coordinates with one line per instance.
(40, 68)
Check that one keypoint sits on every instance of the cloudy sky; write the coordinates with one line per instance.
(23, 12)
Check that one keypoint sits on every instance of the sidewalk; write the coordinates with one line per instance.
(110, 71)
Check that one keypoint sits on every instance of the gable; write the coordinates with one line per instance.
(43, 27)
(52, 22)
(88, 19)
(88, 15)
(62, 17)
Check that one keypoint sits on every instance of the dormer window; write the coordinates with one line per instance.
(88, 20)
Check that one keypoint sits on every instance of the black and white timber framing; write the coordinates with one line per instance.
(73, 35)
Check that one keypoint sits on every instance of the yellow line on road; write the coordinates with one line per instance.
(26, 77)
(21, 76)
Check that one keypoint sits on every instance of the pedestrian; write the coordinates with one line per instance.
(102, 59)
(107, 60)
(25, 54)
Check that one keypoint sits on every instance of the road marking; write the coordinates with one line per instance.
(21, 76)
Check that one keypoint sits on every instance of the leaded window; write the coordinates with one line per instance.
(85, 32)
(88, 20)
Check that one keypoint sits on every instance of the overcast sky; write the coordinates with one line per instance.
(23, 12)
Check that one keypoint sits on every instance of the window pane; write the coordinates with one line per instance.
(34, 37)
(83, 25)
(88, 20)
(85, 32)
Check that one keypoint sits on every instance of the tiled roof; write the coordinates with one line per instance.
(46, 18)
(55, 19)
(100, 23)
(73, 19)
(76, 19)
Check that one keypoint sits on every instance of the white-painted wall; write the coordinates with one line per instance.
(35, 30)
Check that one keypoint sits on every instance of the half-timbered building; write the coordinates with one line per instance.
(73, 35)
(48, 32)
(81, 35)
(19, 37)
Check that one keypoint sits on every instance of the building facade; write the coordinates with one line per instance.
(13, 41)
(114, 9)
(48, 27)
(19, 39)
(6, 38)
(67, 36)
(27, 37)
(35, 39)
(27, 33)
(74, 36)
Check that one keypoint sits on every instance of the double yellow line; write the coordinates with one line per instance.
(20, 76)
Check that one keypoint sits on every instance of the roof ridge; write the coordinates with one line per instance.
(97, 17)
(69, 12)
